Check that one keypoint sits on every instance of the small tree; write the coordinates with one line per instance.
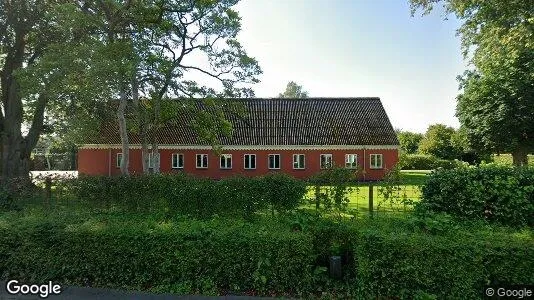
(293, 90)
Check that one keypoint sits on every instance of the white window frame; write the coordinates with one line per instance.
(224, 158)
(119, 160)
(269, 161)
(201, 155)
(376, 166)
(250, 161)
(151, 160)
(175, 158)
(321, 161)
(347, 161)
(298, 162)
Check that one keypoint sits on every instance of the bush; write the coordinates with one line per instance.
(384, 258)
(494, 193)
(427, 162)
(452, 265)
(187, 195)
(332, 187)
(185, 257)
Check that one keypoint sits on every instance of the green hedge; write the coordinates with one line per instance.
(188, 195)
(185, 258)
(494, 193)
(384, 258)
(426, 162)
(451, 266)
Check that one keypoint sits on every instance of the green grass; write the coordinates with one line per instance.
(506, 159)
(410, 188)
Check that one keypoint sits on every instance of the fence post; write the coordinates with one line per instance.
(371, 206)
(48, 190)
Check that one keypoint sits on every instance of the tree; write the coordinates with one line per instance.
(438, 141)
(497, 100)
(409, 141)
(293, 90)
(37, 47)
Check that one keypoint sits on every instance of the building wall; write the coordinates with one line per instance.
(97, 162)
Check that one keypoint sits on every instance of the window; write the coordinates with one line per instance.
(298, 161)
(274, 161)
(119, 160)
(326, 161)
(376, 161)
(250, 161)
(177, 161)
(202, 161)
(151, 159)
(226, 161)
(351, 161)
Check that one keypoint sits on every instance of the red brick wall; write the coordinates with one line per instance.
(96, 161)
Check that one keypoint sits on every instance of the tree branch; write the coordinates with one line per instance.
(37, 123)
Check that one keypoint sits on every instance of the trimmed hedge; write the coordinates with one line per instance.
(494, 193)
(452, 266)
(427, 162)
(384, 258)
(189, 257)
(187, 195)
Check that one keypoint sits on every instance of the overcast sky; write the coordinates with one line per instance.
(358, 48)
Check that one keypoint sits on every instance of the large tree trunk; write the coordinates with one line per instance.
(123, 132)
(520, 156)
(142, 125)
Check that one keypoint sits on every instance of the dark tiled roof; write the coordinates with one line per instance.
(282, 121)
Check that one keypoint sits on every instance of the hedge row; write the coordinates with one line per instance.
(457, 266)
(183, 194)
(495, 193)
(395, 260)
(190, 258)
(426, 162)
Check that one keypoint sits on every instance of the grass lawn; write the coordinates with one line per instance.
(410, 188)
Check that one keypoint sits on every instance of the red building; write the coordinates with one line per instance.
(296, 136)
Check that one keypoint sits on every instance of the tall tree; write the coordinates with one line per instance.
(439, 142)
(497, 100)
(293, 90)
(36, 49)
(409, 141)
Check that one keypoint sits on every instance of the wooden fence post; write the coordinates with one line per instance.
(48, 191)
(371, 205)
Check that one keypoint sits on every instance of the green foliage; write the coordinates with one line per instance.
(497, 99)
(187, 195)
(452, 264)
(407, 258)
(409, 141)
(180, 257)
(490, 192)
(293, 90)
(332, 187)
(426, 162)
(438, 141)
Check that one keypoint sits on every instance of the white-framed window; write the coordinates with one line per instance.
(202, 161)
(250, 161)
(226, 161)
(151, 159)
(299, 161)
(375, 161)
(274, 161)
(177, 161)
(326, 161)
(119, 160)
(351, 161)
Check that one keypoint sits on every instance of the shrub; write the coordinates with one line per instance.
(188, 195)
(455, 265)
(332, 187)
(426, 162)
(185, 257)
(494, 193)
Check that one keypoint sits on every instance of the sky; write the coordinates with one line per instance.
(358, 48)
